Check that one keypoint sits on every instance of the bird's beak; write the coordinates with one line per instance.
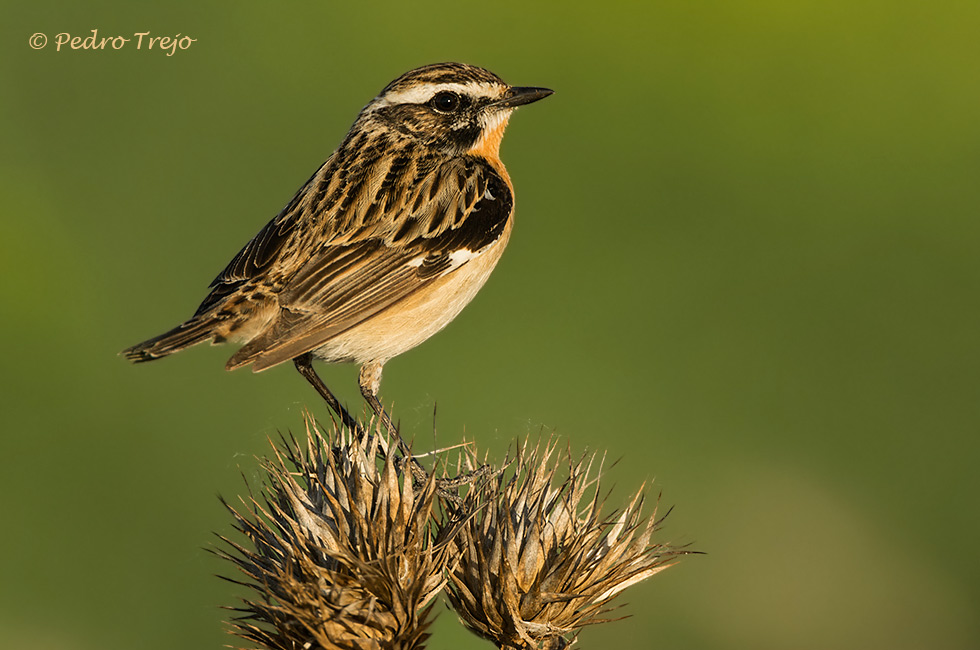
(520, 95)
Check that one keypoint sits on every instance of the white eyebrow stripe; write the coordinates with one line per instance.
(424, 92)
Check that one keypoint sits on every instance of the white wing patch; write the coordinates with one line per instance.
(459, 257)
(456, 259)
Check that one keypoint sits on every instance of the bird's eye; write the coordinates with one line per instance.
(445, 102)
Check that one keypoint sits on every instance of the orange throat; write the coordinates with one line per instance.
(488, 145)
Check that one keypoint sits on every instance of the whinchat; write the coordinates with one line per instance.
(383, 246)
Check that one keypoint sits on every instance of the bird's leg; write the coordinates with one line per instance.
(369, 381)
(304, 363)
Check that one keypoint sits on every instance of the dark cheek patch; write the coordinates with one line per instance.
(441, 131)
(465, 138)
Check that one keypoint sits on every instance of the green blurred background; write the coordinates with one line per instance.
(745, 263)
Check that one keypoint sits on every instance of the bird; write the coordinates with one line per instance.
(382, 247)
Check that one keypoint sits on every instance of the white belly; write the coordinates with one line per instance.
(405, 324)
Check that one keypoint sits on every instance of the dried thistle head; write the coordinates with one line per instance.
(342, 551)
(539, 560)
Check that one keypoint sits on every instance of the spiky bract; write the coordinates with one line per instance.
(342, 550)
(539, 561)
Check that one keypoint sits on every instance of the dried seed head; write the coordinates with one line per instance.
(539, 561)
(341, 551)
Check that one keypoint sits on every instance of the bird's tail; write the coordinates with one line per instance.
(197, 330)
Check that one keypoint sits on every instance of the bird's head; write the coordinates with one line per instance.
(452, 107)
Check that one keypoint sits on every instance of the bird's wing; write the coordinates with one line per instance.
(370, 263)
(369, 188)
(262, 252)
